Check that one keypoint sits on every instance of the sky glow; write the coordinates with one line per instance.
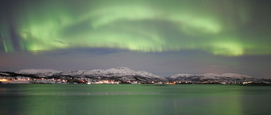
(135, 25)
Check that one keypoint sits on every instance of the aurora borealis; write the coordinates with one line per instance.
(222, 35)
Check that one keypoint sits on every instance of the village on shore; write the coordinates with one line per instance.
(121, 80)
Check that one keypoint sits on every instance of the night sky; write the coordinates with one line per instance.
(164, 37)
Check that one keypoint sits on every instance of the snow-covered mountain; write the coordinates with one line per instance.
(209, 76)
(128, 73)
(112, 72)
(39, 72)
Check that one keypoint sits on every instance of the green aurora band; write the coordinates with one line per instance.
(137, 25)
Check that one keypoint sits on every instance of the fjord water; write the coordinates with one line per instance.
(70, 99)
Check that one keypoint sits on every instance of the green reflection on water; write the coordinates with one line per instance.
(206, 100)
(95, 99)
(133, 99)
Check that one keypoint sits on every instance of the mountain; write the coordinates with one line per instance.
(39, 72)
(125, 75)
(112, 72)
(119, 71)
(127, 72)
(228, 76)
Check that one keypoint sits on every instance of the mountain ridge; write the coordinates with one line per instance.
(125, 75)
(118, 71)
(123, 71)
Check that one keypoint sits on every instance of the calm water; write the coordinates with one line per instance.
(48, 99)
